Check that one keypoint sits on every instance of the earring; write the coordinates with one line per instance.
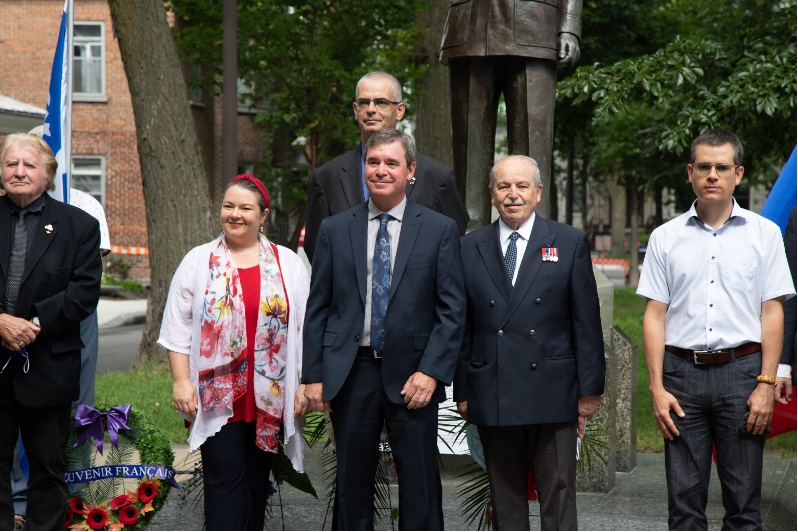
(261, 228)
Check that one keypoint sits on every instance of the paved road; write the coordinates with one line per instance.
(118, 347)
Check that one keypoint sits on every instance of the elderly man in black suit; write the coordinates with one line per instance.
(49, 282)
(532, 366)
(340, 184)
(383, 329)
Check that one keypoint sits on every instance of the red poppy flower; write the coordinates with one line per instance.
(119, 502)
(70, 516)
(76, 505)
(128, 515)
(148, 489)
(97, 517)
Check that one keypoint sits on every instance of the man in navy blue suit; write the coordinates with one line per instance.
(383, 330)
(532, 366)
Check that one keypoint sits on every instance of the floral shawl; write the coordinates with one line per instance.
(222, 363)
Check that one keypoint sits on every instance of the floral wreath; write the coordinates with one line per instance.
(102, 502)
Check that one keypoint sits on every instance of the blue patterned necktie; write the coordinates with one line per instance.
(380, 283)
(511, 255)
(16, 266)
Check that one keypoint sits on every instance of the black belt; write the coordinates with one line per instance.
(367, 352)
(718, 356)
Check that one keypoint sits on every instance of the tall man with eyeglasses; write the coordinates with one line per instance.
(714, 280)
(340, 184)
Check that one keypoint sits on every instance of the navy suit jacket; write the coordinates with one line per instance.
(424, 323)
(337, 186)
(60, 285)
(530, 349)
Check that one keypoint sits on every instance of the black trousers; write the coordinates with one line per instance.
(360, 410)
(236, 478)
(551, 449)
(45, 431)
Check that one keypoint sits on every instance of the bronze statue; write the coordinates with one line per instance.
(510, 47)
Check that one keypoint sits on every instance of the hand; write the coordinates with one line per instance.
(418, 390)
(16, 333)
(587, 405)
(662, 403)
(184, 396)
(760, 404)
(462, 409)
(314, 392)
(301, 403)
(569, 48)
(783, 392)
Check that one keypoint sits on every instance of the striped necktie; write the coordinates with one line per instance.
(17, 264)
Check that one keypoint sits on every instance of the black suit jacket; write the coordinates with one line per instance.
(530, 349)
(60, 285)
(337, 186)
(424, 324)
(788, 350)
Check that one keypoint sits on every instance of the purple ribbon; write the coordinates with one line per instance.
(92, 419)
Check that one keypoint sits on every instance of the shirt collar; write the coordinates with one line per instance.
(36, 206)
(525, 231)
(736, 211)
(396, 213)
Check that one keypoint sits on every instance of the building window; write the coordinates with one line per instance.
(88, 78)
(88, 175)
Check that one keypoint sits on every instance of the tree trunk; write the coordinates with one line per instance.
(433, 131)
(617, 194)
(569, 184)
(586, 226)
(634, 208)
(175, 188)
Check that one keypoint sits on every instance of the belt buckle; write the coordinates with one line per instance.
(695, 357)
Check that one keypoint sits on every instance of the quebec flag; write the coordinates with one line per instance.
(56, 119)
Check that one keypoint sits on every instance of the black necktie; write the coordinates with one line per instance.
(17, 264)
(510, 255)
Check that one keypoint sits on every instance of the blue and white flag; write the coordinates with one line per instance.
(57, 119)
(782, 196)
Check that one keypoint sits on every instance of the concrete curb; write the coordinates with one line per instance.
(134, 318)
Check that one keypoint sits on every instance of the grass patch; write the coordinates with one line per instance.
(628, 315)
(149, 389)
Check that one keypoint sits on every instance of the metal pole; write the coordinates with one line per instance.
(229, 92)
(68, 74)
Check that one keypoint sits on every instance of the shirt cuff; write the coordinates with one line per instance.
(784, 372)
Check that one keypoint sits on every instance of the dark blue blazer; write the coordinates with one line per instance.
(530, 349)
(424, 324)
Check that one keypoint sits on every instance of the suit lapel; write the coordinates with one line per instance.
(411, 224)
(350, 180)
(539, 238)
(5, 237)
(45, 232)
(358, 234)
(490, 250)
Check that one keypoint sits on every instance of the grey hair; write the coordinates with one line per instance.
(521, 158)
(37, 144)
(387, 136)
(379, 75)
(718, 137)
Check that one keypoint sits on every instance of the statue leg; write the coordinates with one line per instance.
(530, 116)
(475, 101)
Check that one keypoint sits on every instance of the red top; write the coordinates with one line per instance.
(244, 406)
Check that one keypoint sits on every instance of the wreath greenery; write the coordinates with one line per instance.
(115, 509)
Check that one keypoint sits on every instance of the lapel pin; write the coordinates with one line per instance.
(48, 228)
(549, 254)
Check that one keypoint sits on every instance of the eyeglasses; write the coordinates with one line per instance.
(723, 170)
(380, 103)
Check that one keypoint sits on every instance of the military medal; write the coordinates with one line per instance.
(549, 254)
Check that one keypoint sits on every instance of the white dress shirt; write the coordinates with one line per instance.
(520, 244)
(715, 281)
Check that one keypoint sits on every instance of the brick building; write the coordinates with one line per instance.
(105, 159)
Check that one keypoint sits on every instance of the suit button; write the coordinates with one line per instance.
(538, 301)
(492, 303)
(357, 338)
(533, 366)
(501, 333)
(532, 332)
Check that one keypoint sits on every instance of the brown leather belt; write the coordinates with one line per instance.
(367, 352)
(718, 356)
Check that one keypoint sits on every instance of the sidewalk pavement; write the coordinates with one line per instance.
(638, 501)
(118, 312)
